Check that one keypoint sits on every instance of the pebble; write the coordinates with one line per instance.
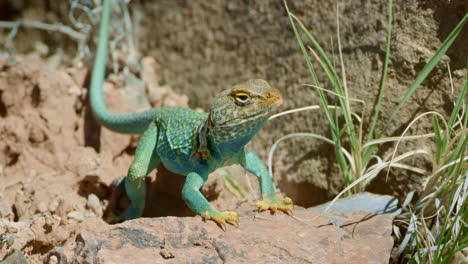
(41, 207)
(6, 239)
(54, 204)
(459, 73)
(93, 203)
(76, 215)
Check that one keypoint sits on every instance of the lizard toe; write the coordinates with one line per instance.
(273, 205)
(221, 218)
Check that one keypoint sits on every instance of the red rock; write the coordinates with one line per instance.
(308, 237)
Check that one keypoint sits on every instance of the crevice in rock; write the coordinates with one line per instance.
(35, 96)
(3, 108)
(38, 247)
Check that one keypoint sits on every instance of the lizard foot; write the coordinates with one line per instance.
(273, 205)
(221, 218)
(114, 219)
(130, 213)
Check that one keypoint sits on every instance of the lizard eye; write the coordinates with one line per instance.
(242, 98)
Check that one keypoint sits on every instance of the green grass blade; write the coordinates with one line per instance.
(370, 136)
(438, 139)
(459, 103)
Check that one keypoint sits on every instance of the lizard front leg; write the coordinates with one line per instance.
(144, 162)
(198, 203)
(254, 165)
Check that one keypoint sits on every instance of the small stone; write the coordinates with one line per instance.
(13, 229)
(459, 73)
(56, 255)
(74, 90)
(203, 243)
(63, 221)
(76, 215)
(167, 251)
(41, 208)
(93, 203)
(6, 239)
(89, 214)
(55, 203)
(17, 257)
(49, 221)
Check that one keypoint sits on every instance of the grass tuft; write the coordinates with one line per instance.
(434, 228)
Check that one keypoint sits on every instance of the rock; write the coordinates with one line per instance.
(41, 208)
(360, 202)
(76, 215)
(364, 202)
(6, 211)
(55, 203)
(40, 231)
(16, 258)
(166, 251)
(56, 256)
(6, 240)
(94, 204)
(134, 93)
(261, 238)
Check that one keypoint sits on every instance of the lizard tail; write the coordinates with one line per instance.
(132, 123)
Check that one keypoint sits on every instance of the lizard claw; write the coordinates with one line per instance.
(235, 223)
(222, 226)
(273, 205)
(221, 218)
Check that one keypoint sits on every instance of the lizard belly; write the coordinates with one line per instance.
(180, 165)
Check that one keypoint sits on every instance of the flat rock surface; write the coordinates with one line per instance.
(308, 237)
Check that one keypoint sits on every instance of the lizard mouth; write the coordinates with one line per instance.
(259, 113)
(273, 98)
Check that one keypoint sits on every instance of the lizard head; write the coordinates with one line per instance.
(243, 109)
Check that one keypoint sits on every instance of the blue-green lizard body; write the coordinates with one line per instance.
(190, 143)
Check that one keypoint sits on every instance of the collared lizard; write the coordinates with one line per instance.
(190, 143)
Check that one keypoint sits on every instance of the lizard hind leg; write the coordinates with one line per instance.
(144, 162)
